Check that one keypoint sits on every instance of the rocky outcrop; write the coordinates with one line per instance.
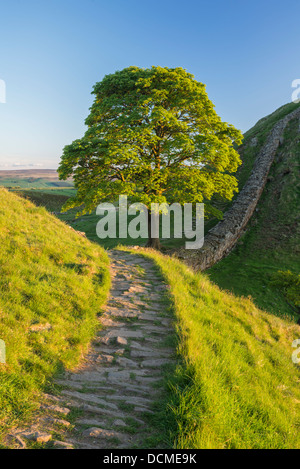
(220, 240)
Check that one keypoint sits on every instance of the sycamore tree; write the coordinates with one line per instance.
(153, 135)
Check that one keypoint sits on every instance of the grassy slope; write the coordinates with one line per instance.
(54, 200)
(237, 387)
(48, 274)
(261, 131)
(249, 153)
(273, 236)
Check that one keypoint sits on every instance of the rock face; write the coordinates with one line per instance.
(222, 238)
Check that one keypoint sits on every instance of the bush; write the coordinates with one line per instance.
(289, 283)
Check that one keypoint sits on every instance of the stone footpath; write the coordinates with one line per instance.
(109, 396)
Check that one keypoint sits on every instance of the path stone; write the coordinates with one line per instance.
(119, 380)
(105, 358)
(109, 322)
(147, 354)
(98, 410)
(37, 436)
(62, 445)
(100, 433)
(121, 340)
(119, 423)
(126, 362)
(89, 398)
(91, 422)
(125, 314)
(126, 333)
(58, 409)
(155, 363)
(65, 423)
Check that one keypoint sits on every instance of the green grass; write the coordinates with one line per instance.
(272, 240)
(63, 191)
(53, 201)
(238, 386)
(261, 131)
(273, 237)
(48, 274)
(249, 153)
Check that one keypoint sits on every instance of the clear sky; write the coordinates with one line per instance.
(52, 52)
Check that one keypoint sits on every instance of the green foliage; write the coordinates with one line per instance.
(52, 285)
(289, 282)
(153, 135)
(51, 201)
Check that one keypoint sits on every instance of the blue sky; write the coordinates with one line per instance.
(53, 52)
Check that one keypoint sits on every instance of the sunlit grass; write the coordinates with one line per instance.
(49, 275)
(272, 240)
(238, 387)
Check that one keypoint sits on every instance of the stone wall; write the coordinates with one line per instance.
(220, 240)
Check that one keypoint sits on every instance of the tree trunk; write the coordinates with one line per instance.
(153, 243)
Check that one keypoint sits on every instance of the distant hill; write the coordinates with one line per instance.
(27, 173)
(32, 179)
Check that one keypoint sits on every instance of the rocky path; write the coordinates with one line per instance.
(110, 396)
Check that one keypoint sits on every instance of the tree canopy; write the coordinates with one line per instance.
(154, 135)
